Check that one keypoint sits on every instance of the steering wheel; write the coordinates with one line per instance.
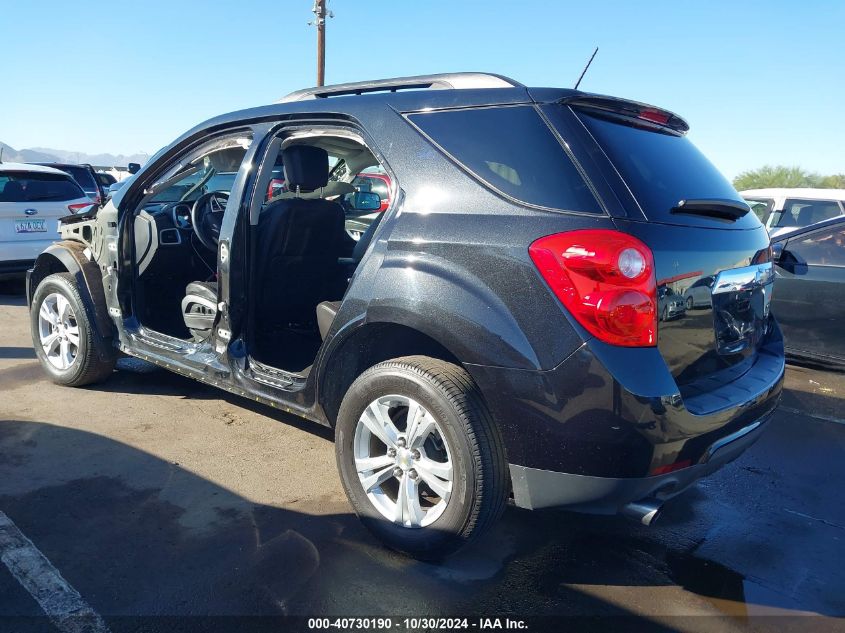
(207, 217)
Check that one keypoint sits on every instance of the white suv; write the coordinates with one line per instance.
(782, 209)
(32, 199)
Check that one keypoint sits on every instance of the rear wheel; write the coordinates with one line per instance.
(689, 303)
(62, 334)
(419, 456)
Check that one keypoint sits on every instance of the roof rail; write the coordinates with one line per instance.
(443, 81)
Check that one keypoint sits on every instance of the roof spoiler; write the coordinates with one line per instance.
(628, 111)
(443, 81)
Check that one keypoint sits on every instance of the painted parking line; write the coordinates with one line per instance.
(61, 602)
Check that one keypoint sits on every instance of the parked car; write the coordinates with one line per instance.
(495, 334)
(782, 210)
(84, 175)
(669, 304)
(809, 291)
(113, 188)
(698, 295)
(32, 199)
(377, 183)
(105, 181)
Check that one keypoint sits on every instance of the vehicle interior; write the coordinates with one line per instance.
(301, 256)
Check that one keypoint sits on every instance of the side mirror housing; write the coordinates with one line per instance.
(365, 201)
(777, 251)
(133, 168)
(792, 263)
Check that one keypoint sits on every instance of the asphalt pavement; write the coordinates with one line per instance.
(162, 504)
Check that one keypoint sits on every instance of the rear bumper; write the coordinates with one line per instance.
(534, 488)
(609, 426)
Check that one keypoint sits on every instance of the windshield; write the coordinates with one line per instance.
(197, 183)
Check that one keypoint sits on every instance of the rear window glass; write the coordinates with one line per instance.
(82, 176)
(32, 187)
(660, 169)
(511, 150)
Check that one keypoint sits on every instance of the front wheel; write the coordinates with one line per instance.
(689, 303)
(421, 461)
(62, 334)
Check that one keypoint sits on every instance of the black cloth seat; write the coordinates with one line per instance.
(297, 246)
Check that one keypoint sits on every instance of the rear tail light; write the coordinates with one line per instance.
(606, 280)
(79, 206)
(655, 116)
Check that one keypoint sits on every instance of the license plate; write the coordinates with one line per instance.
(30, 226)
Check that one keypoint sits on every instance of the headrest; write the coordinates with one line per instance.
(12, 192)
(306, 167)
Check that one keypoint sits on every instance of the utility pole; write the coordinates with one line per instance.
(320, 11)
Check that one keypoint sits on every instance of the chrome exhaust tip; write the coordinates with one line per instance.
(646, 511)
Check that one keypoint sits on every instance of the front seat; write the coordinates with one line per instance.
(298, 244)
(327, 310)
(199, 308)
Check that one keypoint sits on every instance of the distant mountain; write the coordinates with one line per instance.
(48, 155)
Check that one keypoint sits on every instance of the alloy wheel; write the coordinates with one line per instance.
(58, 331)
(403, 461)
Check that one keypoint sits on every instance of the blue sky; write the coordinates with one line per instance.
(759, 82)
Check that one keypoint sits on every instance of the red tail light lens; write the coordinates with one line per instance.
(606, 280)
(79, 206)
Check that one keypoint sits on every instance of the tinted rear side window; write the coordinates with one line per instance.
(82, 176)
(513, 152)
(660, 169)
(32, 187)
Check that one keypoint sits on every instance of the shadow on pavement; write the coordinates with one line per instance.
(153, 539)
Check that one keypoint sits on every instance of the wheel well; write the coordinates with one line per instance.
(45, 265)
(368, 346)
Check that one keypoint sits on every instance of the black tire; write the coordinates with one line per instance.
(689, 303)
(91, 364)
(480, 483)
(664, 316)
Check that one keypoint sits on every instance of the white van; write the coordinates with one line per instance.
(782, 210)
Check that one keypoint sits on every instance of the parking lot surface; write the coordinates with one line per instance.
(152, 495)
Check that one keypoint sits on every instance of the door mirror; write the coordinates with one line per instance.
(133, 168)
(792, 262)
(364, 201)
(777, 251)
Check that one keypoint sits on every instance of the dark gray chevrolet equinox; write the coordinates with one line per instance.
(493, 334)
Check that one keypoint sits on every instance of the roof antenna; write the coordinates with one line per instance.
(584, 72)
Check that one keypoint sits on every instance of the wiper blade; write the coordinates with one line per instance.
(721, 208)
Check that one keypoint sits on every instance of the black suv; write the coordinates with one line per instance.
(493, 334)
